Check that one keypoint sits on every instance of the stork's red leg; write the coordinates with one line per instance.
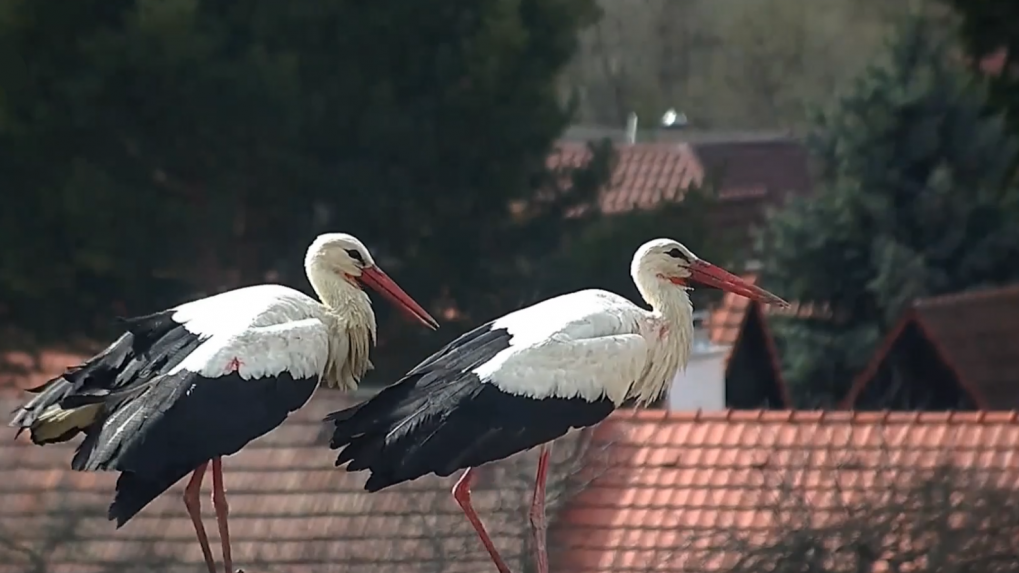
(462, 495)
(538, 528)
(194, 505)
(222, 510)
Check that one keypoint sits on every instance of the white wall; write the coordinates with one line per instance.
(702, 385)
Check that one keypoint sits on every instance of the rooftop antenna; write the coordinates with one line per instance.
(631, 128)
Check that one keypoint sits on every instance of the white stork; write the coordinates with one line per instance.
(527, 378)
(188, 385)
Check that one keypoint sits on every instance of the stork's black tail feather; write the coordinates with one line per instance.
(52, 392)
(135, 491)
(342, 415)
(151, 345)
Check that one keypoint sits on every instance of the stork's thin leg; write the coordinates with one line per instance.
(538, 528)
(222, 510)
(462, 495)
(194, 505)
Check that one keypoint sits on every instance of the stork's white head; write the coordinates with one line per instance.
(672, 265)
(340, 252)
(344, 256)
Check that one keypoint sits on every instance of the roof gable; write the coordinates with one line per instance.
(728, 324)
(975, 333)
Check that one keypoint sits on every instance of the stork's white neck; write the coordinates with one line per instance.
(353, 324)
(669, 353)
(337, 293)
(671, 300)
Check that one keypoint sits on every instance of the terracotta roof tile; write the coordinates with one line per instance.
(753, 174)
(668, 487)
(291, 510)
(976, 333)
(726, 319)
(645, 175)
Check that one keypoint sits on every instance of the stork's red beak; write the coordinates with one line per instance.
(710, 275)
(387, 287)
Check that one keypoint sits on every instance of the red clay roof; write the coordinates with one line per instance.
(648, 173)
(291, 510)
(726, 319)
(645, 175)
(669, 489)
(976, 333)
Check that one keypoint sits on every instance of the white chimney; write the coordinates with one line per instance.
(631, 128)
(702, 385)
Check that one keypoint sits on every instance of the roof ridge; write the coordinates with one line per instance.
(978, 417)
(982, 293)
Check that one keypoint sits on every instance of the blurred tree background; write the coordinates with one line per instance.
(990, 32)
(159, 150)
(915, 199)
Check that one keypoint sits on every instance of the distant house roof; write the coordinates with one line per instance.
(975, 333)
(752, 172)
(645, 175)
(678, 492)
(290, 510)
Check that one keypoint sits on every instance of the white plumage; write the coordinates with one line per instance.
(263, 331)
(586, 344)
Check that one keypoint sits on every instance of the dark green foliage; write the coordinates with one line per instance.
(912, 202)
(151, 145)
(988, 27)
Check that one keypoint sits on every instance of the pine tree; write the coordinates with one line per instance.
(913, 201)
(990, 33)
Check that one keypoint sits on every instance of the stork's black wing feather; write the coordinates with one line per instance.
(181, 422)
(442, 417)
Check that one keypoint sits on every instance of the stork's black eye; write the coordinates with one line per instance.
(678, 254)
(356, 255)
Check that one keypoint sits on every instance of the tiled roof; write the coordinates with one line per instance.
(648, 173)
(976, 333)
(645, 175)
(778, 168)
(726, 319)
(291, 510)
(673, 492)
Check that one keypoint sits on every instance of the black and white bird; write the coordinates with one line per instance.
(527, 378)
(185, 386)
